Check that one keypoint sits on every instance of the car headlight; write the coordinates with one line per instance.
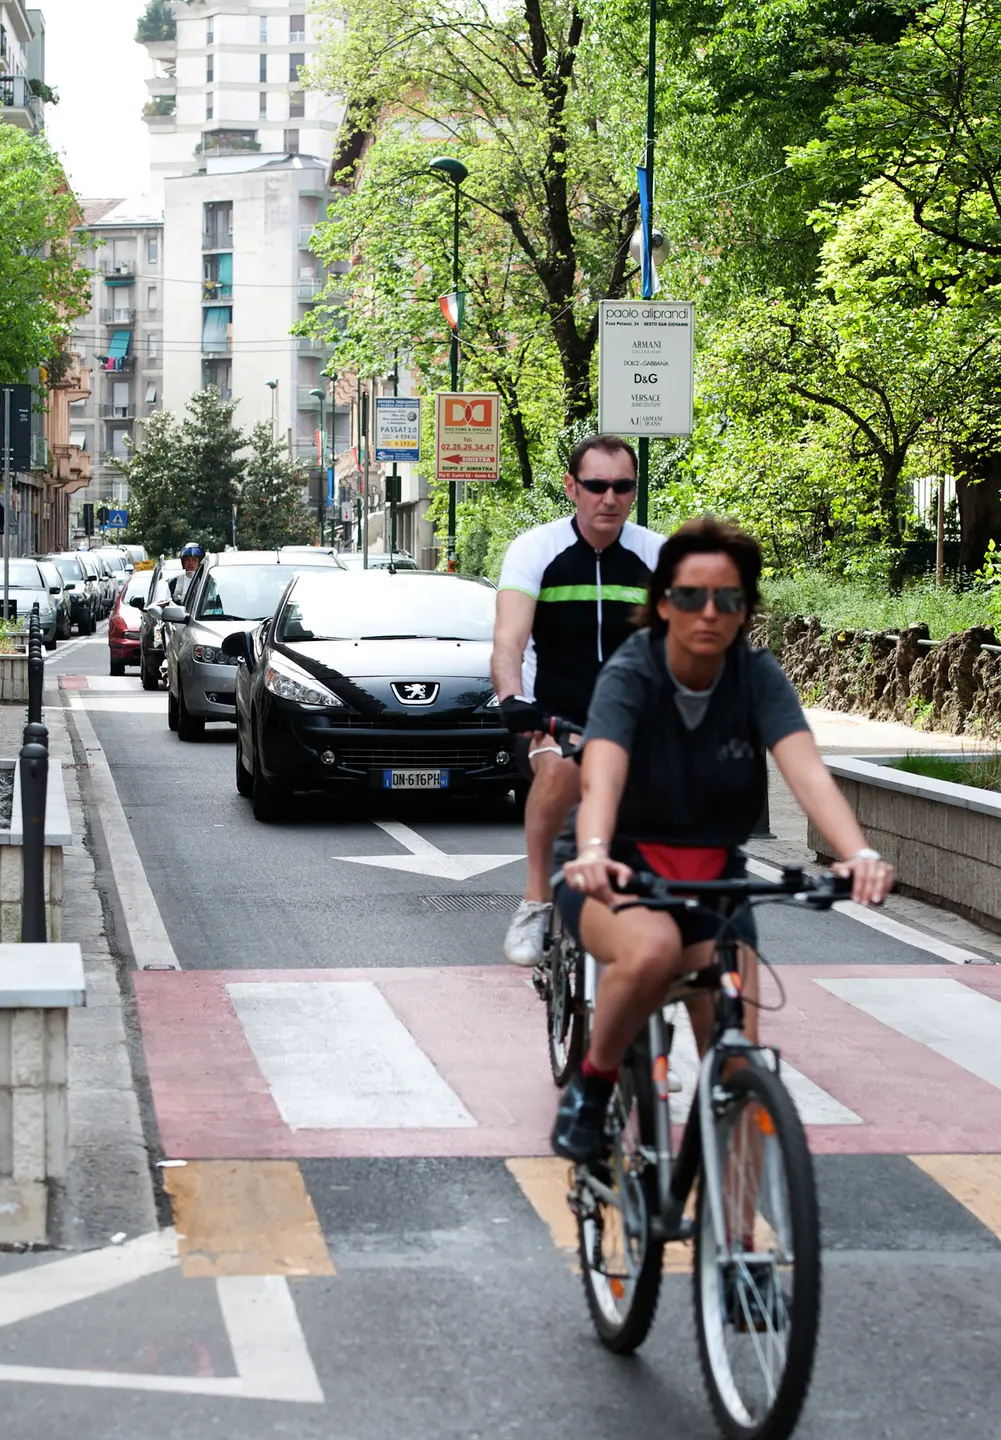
(211, 655)
(288, 682)
(493, 703)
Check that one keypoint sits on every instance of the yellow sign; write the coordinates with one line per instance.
(467, 436)
(145, 564)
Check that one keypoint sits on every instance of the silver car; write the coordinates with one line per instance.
(229, 592)
(27, 585)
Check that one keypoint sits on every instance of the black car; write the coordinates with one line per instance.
(78, 585)
(369, 680)
(151, 630)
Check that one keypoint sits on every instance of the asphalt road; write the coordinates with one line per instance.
(425, 1257)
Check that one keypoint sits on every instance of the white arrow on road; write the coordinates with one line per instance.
(425, 858)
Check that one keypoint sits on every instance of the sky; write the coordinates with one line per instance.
(100, 72)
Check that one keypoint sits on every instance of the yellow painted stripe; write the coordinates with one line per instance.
(973, 1180)
(545, 1182)
(243, 1217)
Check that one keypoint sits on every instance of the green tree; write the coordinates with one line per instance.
(42, 285)
(271, 508)
(156, 517)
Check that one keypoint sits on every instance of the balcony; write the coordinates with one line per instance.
(214, 292)
(162, 85)
(39, 452)
(119, 412)
(312, 345)
(310, 289)
(20, 106)
(306, 233)
(74, 378)
(118, 317)
(125, 365)
(124, 270)
(305, 399)
(71, 467)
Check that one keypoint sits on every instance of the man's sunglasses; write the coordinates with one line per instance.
(693, 599)
(598, 487)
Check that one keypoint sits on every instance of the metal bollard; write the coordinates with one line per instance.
(763, 829)
(35, 733)
(34, 788)
(36, 667)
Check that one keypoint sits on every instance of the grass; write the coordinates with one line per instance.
(983, 771)
(852, 605)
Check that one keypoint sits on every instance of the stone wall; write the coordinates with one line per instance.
(954, 686)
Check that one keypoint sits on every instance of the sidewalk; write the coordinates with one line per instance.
(839, 734)
(109, 1189)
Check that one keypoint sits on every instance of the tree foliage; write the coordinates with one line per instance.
(271, 510)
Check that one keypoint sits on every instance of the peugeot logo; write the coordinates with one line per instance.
(415, 692)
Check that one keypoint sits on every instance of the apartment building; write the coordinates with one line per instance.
(22, 65)
(121, 337)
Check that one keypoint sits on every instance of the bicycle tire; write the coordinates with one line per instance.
(566, 1020)
(798, 1320)
(624, 1330)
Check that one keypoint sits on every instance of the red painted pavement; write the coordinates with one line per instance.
(74, 682)
(483, 1029)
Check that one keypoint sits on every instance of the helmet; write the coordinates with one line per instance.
(192, 548)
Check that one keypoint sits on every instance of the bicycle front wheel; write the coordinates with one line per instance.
(757, 1296)
(566, 1017)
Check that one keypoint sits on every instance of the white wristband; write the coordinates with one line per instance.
(866, 854)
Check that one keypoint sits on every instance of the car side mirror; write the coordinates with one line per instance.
(55, 589)
(237, 646)
(175, 615)
(137, 602)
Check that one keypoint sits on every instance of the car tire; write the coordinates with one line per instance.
(265, 798)
(189, 727)
(150, 679)
(118, 667)
(50, 644)
(171, 709)
(244, 779)
(83, 626)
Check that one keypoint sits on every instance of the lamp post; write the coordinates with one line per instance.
(643, 477)
(318, 392)
(454, 172)
(273, 387)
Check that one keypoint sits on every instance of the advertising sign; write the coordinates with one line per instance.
(18, 443)
(645, 367)
(467, 436)
(397, 428)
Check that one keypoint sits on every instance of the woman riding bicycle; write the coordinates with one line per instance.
(673, 780)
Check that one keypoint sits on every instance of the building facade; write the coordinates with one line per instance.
(121, 338)
(22, 65)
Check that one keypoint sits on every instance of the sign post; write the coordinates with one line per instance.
(646, 367)
(467, 436)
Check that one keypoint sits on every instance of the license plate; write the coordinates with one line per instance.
(415, 779)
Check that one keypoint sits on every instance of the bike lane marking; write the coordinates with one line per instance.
(973, 1180)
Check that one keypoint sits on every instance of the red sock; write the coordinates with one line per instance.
(611, 1076)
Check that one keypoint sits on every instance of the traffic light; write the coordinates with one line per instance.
(103, 516)
(88, 517)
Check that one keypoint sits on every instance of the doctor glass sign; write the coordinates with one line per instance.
(645, 367)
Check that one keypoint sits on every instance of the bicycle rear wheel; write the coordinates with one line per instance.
(566, 1017)
(757, 1301)
(620, 1259)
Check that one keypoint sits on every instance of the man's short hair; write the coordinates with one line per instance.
(610, 444)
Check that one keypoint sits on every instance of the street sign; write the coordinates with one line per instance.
(645, 367)
(19, 441)
(397, 428)
(347, 513)
(467, 436)
(119, 519)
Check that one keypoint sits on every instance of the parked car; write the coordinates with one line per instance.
(96, 584)
(81, 587)
(137, 553)
(125, 621)
(307, 550)
(153, 629)
(354, 560)
(61, 596)
(27, 586)
(120, 565)
(371, 681)
(228, 591)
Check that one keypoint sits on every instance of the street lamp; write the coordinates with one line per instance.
(273, 387)
(454, 172)
(318, 392)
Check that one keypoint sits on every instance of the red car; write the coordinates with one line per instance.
(126, 618)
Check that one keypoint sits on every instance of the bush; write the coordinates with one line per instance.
(856, 605)
(156, 23)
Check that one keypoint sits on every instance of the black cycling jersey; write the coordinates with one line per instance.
(585, 604)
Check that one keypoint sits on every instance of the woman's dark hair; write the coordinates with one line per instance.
(610, 444)
(705, 536)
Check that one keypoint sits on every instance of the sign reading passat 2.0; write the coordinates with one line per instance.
(467, 436)
(645, 367)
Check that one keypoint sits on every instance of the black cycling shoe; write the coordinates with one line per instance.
(752, 1298)
(579, 1132)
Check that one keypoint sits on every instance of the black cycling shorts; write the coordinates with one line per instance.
(695, 925)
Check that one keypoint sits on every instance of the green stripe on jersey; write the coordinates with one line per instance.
(626, 594)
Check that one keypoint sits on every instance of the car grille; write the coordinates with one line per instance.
(418, 722)
(377, 759)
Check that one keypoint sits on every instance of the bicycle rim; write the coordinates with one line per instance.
(757, 1301)
(620, 1260)
(564, 1008)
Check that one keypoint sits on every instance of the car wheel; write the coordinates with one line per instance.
(150, 679)
(189, 727)
(50, 644)
(265, 797)
(83, 624)
(171, 709)
(118, 667)
(244, 779)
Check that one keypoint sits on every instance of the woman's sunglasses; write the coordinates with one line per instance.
(598, 487)
(693, 599)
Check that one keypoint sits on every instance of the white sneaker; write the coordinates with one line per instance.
(525, 934)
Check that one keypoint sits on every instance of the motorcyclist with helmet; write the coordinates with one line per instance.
(192, 555)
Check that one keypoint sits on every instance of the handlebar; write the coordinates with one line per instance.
(818, 891)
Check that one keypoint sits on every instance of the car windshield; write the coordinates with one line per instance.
(69, 567)
(138, 585)
(25, 575)
(245, 592)
(50, 574)
(376, 606)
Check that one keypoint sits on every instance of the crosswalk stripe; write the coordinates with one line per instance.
(238, 1217)
(973, 1180)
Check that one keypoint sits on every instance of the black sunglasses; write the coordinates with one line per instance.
(598, 487)
(693, 599)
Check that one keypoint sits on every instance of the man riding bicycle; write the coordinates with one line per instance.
(673, 780)
(567, 593)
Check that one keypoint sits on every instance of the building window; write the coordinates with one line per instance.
(291, 142)
(209, 106)
(151, 393)
(263, 112)
(217, 228)
(297, 105)
(210, 70)
(152, 297)
(264, 30)
(210, 31)
(297, 29)
(296, 61)
(153, 344)
(262, 70)
(153, 250)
